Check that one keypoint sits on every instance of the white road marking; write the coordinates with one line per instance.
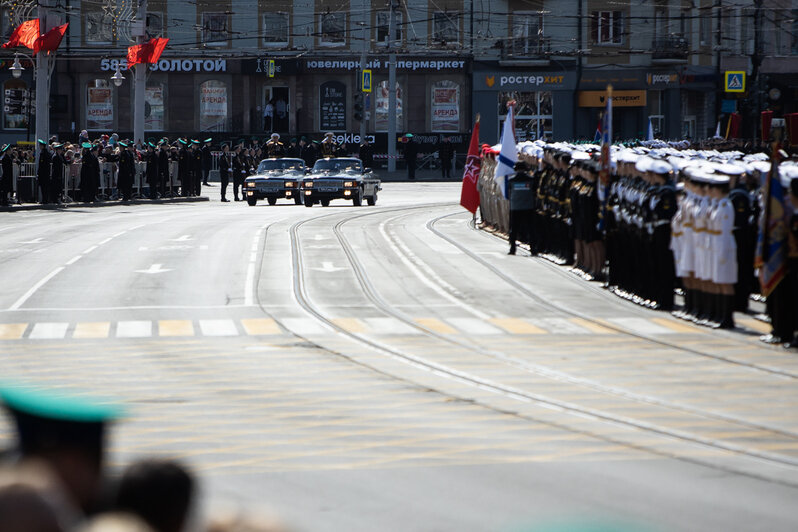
(34, 241)
(104, 241)
(474, 326)
(120, 233)
(389, 326)
(155, 268)
(559, 326)
(303, 326)
(641, 326)
(48, 331)
(134, 329)
(249, 283)
(183, 238)
(21, 301)
(89, 250)
(218, 328)
(327, 267)
(73, 260)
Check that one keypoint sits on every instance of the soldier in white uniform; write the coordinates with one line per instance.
(701, 248)
(724, 253)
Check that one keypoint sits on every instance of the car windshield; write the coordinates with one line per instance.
(337, 165)
(280, 164)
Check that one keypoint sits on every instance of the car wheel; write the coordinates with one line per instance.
(357, 201)
(308, 202)
(298, 200)
(252, 202)
(325, 203)
(371, 200)
(272, 201)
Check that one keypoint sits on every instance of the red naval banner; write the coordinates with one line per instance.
(469, 195)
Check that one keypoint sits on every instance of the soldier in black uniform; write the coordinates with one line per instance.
(6, 174)
(43, 173)
(207, 161)
(411, 156)
(59, 162)
(127, 170)
(445, 154)
(366, 153)
(662, 206)
(225, 169)
(163, 167)
(152, 159)
(183, 167)
(196, 168)
(239, 172)
(522, 205)
(292, 150)
(743, 229)
(89, 172)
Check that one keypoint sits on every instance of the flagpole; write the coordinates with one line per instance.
(140, 78)
(42, 82)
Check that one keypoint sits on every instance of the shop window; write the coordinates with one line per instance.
(215, 29)
(607, 27)
(17, 106)
(527, 34)
(332, 28)
(275, 28)
(446, 27)
(383, 24)
(332, 106)
(705, 27)
(382, 102)
(155, 107)
(99, 106)
(533, 114)
(445, 107)
(98, 26)
(213, 105)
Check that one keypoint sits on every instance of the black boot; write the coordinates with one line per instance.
(716, 311)
(727, 317)
(700, 306)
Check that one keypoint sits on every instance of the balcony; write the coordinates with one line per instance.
(525, 51)
(670, 50)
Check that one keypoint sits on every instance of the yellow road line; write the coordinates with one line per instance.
(352, 325)
(175, 328)
(677, 326)
(12, 331)
(517, 326)
(255, 327)
(95, 329)
(751, 323)
(592, 326)
(436, 325)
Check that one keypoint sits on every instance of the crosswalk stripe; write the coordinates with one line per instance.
(175, 328)
(592, 326)
(134, 329)
(641, 325)
(559, 326)
(218, 328)
(677, 326)
(516, 326)
(48, 331)
(389, 326)
(98, 329)
(436, 325)
(305, 326)
(474, 326)
(256, 327)
(352, 325)
(12, 331)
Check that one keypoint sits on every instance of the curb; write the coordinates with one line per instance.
(99, 204)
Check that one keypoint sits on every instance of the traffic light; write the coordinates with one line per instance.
(358, 107)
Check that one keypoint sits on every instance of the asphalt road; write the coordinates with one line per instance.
(391, 368)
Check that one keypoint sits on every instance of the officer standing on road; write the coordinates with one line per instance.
(163, 166)
(445, 154)
(239, 171)
(225, 169)
(522, 205)
(152, 160)
(410, 155)
(43, 173)
(183, 166)
(59, 162)
(127, 170)
(196, 168)
(89, 172)
(366, 153)
(207, 161)
(662, 206)
(6, 174)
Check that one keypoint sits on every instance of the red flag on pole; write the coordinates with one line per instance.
(25, 35)
(469, 196)
(50, 41)
(149, 52)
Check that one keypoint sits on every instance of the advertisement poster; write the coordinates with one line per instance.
(382, 100)
(213, 106)
(16, 106)
(100, 109)
(332, 106)
(154, 109)
(445, 109)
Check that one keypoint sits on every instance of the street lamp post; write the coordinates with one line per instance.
(16, 71)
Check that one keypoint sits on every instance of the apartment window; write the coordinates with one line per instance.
(608, 27)
(783, 39)
(275, 28)
(661, 23)
(155, 25)
(446, 27)
(383, 23)
(705, 27)
(332, 27)
(98, 28)
(215, 30)
(527, 33)
(794, 32)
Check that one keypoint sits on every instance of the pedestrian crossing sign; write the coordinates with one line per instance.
(271, 68)
(735, 81)
(366, 81)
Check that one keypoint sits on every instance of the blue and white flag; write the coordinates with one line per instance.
(508, 155)
(650, 130)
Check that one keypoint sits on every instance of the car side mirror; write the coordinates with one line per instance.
(367, 170)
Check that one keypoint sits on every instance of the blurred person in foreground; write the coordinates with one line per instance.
(32, 500)
(159, 491)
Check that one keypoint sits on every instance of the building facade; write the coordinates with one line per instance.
(665, 60)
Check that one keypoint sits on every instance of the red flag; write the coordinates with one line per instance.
(733, 126)
(25, 35)
(149, 52)
(50, 41)
(469, 196)
(767, 119)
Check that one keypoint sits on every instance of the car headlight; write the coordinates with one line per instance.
(251, 184)
(289, 184)
(308, 184)
(349, 183)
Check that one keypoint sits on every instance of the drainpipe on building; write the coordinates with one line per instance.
(579, 45)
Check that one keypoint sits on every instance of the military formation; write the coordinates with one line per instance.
(667, 219)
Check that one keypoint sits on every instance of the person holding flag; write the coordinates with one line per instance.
(469, 195)
(508, 155)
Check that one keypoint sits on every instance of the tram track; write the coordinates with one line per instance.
(306, 303)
